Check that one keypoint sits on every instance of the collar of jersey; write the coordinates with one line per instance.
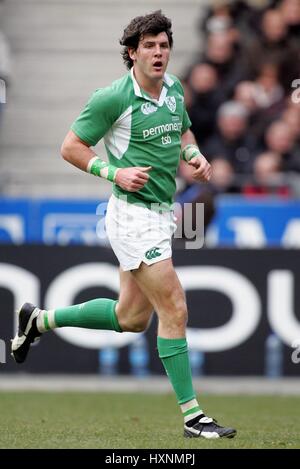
(138, 92)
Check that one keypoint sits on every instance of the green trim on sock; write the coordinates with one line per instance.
(191, 411)
(46, 322)
(174, 356)
(94, 314)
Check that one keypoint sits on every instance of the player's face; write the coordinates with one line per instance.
(152, 55)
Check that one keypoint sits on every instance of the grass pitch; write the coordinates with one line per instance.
(122, 420)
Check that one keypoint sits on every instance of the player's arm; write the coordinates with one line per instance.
(78, 153)
(193, 156)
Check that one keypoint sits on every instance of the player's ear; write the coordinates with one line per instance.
(132, 53)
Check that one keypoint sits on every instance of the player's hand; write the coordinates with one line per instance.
(202, 167)
(132, 179)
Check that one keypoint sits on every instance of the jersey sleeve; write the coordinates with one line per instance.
(97, 117)
(186, 122)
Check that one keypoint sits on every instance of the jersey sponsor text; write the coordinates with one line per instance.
(160, 129)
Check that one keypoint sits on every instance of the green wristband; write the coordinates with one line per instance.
(111, 173)
(189, 152)
(96, 165)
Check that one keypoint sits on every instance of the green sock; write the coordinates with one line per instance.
(174, 356)
(94, 314)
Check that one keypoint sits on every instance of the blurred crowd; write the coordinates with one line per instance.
(243, 96)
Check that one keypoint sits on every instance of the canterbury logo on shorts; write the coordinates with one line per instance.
(152, 253)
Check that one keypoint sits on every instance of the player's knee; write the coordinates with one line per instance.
(180, 315)
(175, 311)
(177, 308)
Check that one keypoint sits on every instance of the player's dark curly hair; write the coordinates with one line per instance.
(154, 23)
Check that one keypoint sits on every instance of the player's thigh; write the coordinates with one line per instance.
(161, 285)
(134, 306)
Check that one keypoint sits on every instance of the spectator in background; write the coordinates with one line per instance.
(241, 14)
(272, 46)
(266, 166)
(205, 98)
(268, 90)
(218, 10)
(245, 93)
(269, 97)
(273, 30)
(231, 144)
(264, 98)
(222, 22)
(267, 177)
(272, 39)
(223, 54)
(290, 11)
(280, 138)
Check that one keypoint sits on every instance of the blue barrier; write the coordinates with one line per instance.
(239, 222)
(50, 222)
(14, 220)
(257, 223)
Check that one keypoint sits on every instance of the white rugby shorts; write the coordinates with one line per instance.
(138, 234)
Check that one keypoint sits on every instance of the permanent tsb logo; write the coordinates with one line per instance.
(163, 128)
(152, 253)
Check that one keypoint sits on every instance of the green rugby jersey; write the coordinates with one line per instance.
(138, 131)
